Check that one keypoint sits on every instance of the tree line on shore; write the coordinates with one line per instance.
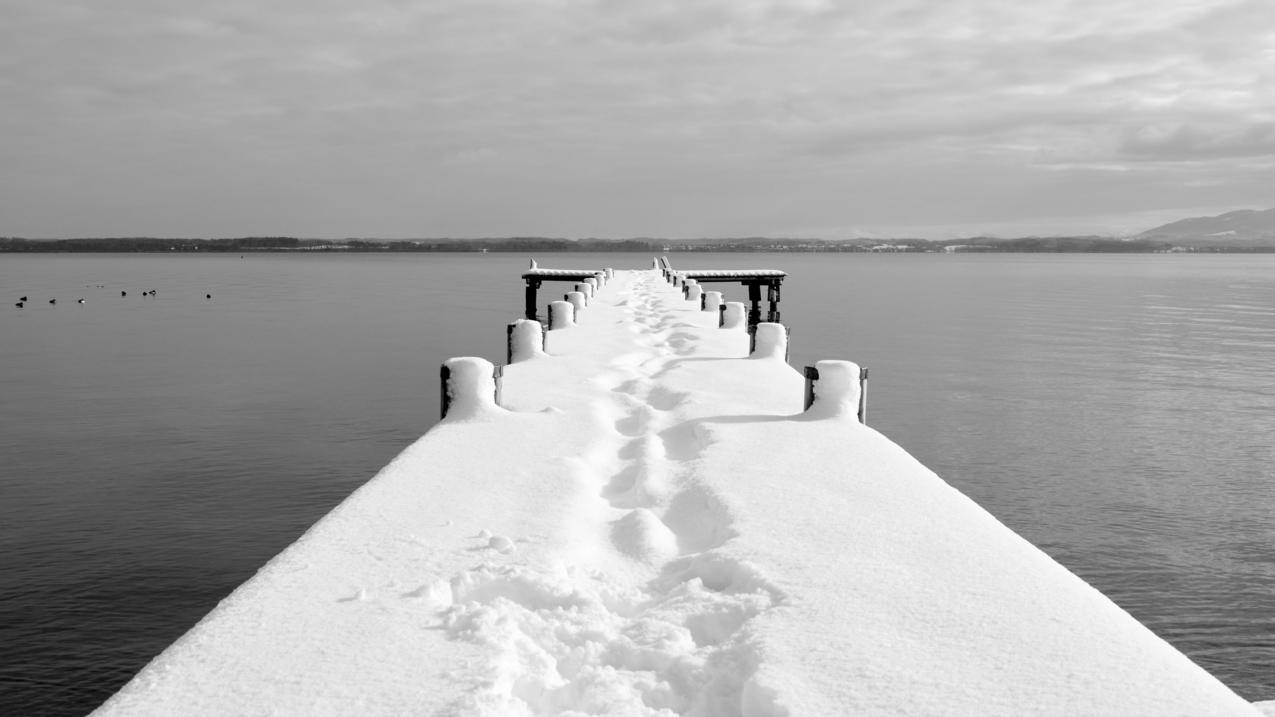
(645, 245)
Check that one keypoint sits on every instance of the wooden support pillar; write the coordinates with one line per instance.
(772, 295)
(754, 300)
(529, 302)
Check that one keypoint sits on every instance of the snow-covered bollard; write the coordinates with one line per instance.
(710, 301)
(837, 388)
(562, 315)
(733, 315)
(770, 341)
(593, 286)
(583, 290)
(602, 278)
(469, 387)
(693, 292)
(610, 272)
(524, 339)
(577, 300)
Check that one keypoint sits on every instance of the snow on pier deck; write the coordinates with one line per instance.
(651, 526)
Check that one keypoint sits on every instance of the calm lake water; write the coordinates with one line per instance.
(1117, 411)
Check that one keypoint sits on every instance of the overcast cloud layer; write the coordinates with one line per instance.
(585, 118)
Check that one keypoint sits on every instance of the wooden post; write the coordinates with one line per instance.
(444, 391)
(812, 375)
(509, 342)
(863, 396)
(754, 298)
(561, 315)
(498, 375)
(529, 303)
(772, 295)
(721, 314)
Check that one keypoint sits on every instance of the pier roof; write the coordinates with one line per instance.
(560, 274)
(649, 523)
(740, 275)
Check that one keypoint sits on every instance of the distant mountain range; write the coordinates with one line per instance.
(1246, 227)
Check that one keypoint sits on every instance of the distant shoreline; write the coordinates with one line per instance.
(1035, 245)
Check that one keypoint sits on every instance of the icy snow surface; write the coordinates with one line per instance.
(651, 526)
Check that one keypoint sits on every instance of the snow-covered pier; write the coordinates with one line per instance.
(649, 522)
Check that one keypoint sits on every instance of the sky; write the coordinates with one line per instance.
(601, 118)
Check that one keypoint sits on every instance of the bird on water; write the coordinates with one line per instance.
(22, 298)
(19, 304)
(79, 301)
(123, 293)
(53, 301)
(207, 296)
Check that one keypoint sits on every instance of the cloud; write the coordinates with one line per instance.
(602, 117)
(1178, 141)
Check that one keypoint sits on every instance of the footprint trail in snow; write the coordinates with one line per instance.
(669, 635)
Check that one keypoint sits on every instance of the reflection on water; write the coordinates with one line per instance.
(1117, 411)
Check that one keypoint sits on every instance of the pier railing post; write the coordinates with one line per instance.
(498, 375)
(863, 395)
(561, 315)
(524, 339)
(710, 301)
(444, 391)
(469, 394)
(721, 315)
(769, 344)
(836, 395)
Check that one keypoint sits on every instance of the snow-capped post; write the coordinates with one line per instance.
(733, 315)
(610, 272)
(721, 315)
(693, 292)
(561, 315)
(578, 302)
(812, 375)
(593, 287)
(769, 340)
(583, 290)
(467, 386)
(524, 339)
(602, 278)
(710, 301)
(835, 388)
